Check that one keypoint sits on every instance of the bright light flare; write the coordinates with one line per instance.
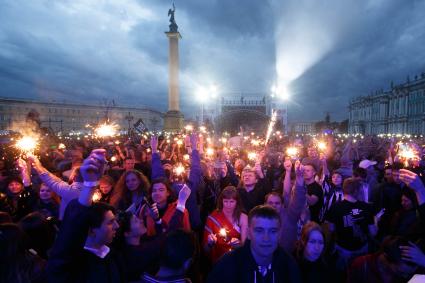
(27, 144)
(255, 142)
(321, 146)
(210, 151)
(252, 155)
(271, 125)
(223, 232)
(106, 130)
(96, 196)
(188, 128)
(61, 146)
(179, 169)
(292, 151)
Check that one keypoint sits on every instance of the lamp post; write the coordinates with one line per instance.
(129, 118)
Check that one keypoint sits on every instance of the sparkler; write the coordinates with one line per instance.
(210, 151)
(61, 146)
(179, 169)
(106, 130)
(407, 153)
(27, 144)
(252, 155)
(113, 158)
(255, 142)
(271, 125)
(186, 157)
(96, 196)
(321, 146)
(223, 232)
(292, 151)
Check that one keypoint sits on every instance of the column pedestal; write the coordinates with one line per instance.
(173, 121)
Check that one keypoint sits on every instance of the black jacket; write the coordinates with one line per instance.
(240, 266)
(69, 262)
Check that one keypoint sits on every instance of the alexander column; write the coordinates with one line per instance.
(173, 119)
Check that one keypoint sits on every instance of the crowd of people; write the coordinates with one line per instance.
(191, 207)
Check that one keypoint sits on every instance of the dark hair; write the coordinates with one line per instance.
(391, 248)
(230, 192)
(360, 173)
(14, 265)
(14, 179)
(397, 166)
(40, 234)
(96, 213)
(166, 183)
(411, 195)
(312, 165)
(263, 211)
(179, 246)
(124, 221)
(351, 186)
(276, 194)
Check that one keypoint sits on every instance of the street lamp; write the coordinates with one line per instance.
(203, 94)
(281, 92)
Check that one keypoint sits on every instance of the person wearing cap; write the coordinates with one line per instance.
(253, 187)
(370, 180)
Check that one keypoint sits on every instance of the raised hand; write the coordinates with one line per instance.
(183, 195)
(154, 211)
(413, 254)
(93, 166)
(212, 239)
(412, 180)
(154, 144)
(194, 141)
(299, 172)
(287, 164)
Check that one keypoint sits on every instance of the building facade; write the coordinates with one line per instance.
(67, 117)
(400, 110)
(300, 128)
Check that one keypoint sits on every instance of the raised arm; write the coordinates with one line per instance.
(157, 170)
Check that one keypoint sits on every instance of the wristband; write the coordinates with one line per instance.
(180, 207)
(90, 184)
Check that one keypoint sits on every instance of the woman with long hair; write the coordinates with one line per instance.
(226, 227)
(130, 191)
(309, 254)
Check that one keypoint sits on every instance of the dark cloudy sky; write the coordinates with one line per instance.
(326, 52)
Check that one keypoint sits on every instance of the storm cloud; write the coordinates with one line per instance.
(326, 51)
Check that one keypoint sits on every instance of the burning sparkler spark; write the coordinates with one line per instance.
(292, 151)
(179, 169)
(106, 130)
(271, 125)
(27, 144)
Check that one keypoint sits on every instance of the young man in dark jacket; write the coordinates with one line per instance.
(80, 253)
(260, 259)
